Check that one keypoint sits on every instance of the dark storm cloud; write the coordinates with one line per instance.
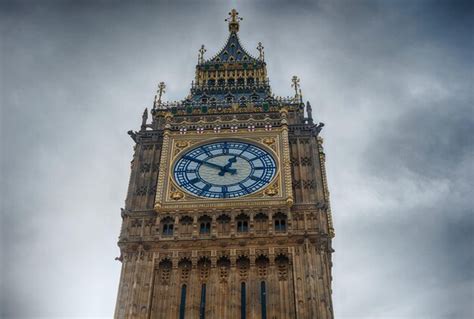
(391, 80)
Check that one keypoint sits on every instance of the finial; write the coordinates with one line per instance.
(309, 111)
(202, 50)
(160, 91)
(144, 118)
(233, 21)
(260, 49)
(296, 85)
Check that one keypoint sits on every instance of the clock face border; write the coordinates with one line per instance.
(278, 193)
(196, 146)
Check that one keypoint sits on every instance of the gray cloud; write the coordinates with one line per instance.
(391, 80)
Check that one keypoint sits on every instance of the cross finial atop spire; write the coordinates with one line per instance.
(260, 49)
(160, 91)
(233, 21)
(202, 50)
(296, 84)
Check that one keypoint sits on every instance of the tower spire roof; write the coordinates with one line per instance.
(233, 50)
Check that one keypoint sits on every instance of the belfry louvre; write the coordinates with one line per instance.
(227, 213)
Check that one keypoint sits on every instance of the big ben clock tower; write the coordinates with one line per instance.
(227, 213)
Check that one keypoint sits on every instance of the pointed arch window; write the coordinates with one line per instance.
(205, 225)
(280, 222)
(186, 226)
(242, 223)
(223, 224)
(261, 223)
(167, 226)
(263, 299)
(202, 305)
(182, 305)
(243, 301)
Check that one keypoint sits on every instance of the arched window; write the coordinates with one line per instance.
(250, 81)
(242, 223)
(261, 223)
(204, 268)
(263, 299)
(182, 305)
(240, 81)
(202, 305)
(280, 222)
(230, 82)
(223, 224)
(221, 82)
(282, 263)
(167, 225)
(243, 301)
(211, 82)
(262, 263)
(186, 226)
(165, 271)
(223, 264)
(204, 225)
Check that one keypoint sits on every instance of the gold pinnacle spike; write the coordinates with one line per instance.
(260, 50)
(202, 50)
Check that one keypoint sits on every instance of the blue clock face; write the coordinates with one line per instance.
(224, 169)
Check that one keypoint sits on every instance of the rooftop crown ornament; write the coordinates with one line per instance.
(233, 21)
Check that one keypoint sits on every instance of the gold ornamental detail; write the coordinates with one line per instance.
(271, 190)
(286, 165)
(269, 141)
(163, 171)
(177, 195)
(182, 144)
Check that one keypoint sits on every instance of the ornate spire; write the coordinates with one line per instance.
(309, 112)
(233, 21)
(260, 48)
(202, 50)
(144, 119)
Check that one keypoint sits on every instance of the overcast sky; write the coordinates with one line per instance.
(392, 81)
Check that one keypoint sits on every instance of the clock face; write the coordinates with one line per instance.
(224, 169)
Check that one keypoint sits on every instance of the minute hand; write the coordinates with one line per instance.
(222, 168)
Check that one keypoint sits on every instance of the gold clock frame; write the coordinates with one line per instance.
(169, 196)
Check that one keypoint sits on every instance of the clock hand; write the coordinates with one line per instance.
(228, 165)
(222, 168)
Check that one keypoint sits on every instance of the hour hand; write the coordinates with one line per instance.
(227, 166)
(222, 168)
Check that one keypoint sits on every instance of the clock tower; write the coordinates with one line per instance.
(227, 213)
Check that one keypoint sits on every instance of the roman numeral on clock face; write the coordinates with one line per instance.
(194, 180)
